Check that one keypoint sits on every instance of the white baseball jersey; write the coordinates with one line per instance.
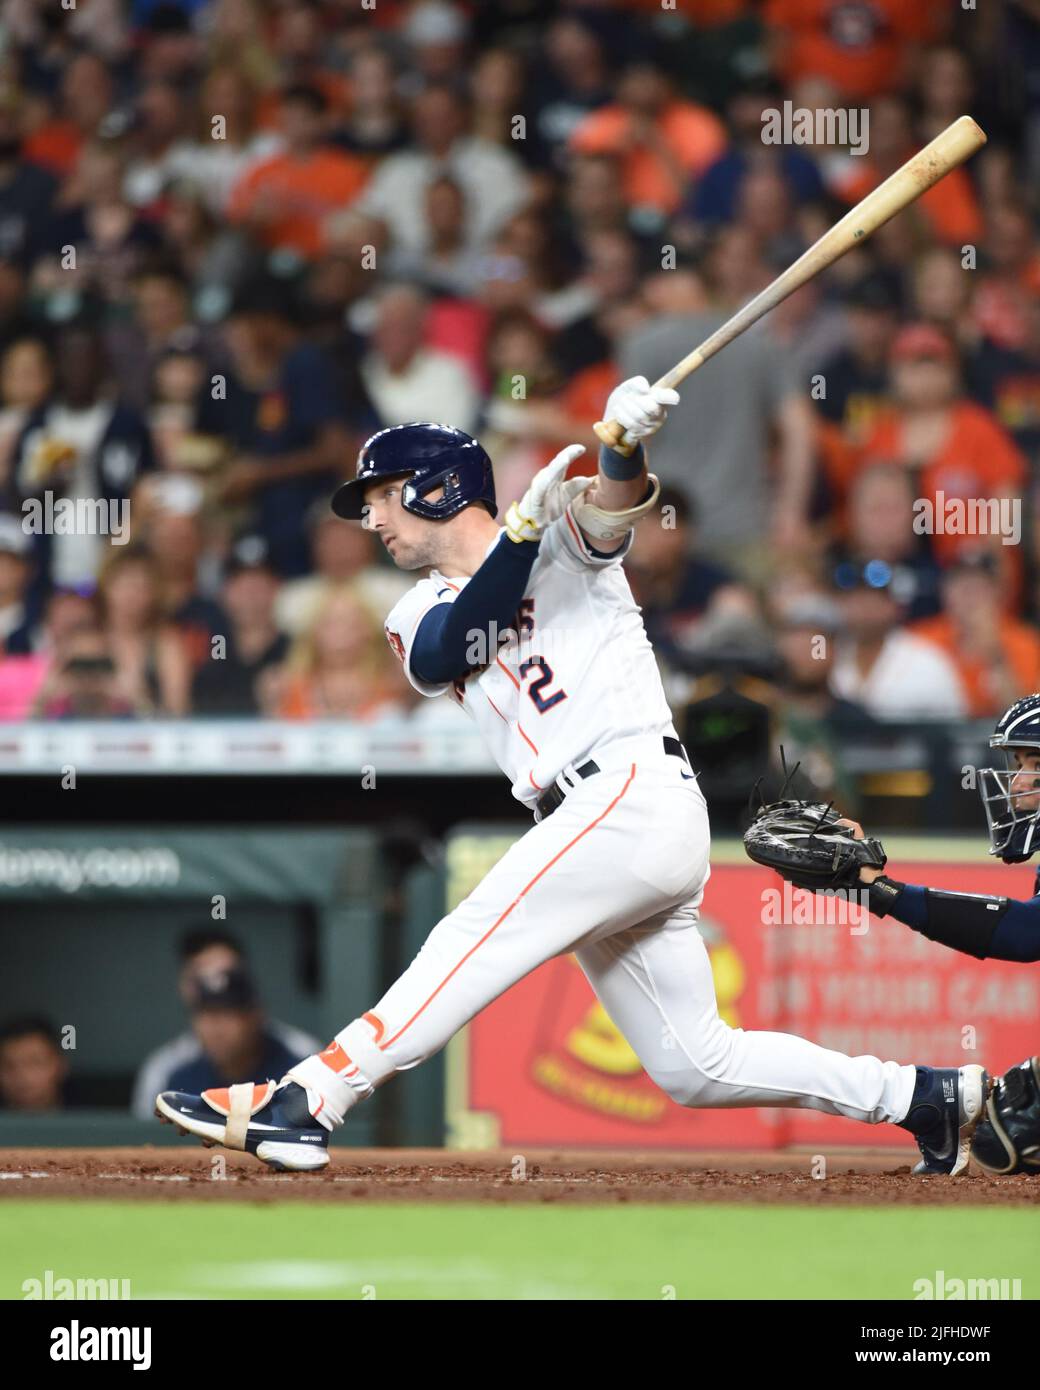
(580, 674)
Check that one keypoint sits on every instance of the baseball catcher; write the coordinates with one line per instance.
(814, 847)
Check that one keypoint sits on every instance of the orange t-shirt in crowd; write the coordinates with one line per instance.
(299, 701)
(694, 135)
(977, 459)
(1021, 647)
(949, 207)
(857, 44)
(55, 146)
(303, 192)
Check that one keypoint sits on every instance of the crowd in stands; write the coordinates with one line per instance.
(239, 236)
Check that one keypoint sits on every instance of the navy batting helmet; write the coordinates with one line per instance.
(430, 457)
(1012, 826)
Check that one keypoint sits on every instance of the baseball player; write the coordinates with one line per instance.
(1007, 1139)
(532, 629)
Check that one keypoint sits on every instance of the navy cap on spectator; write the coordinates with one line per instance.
(248, 552)
(223, 989)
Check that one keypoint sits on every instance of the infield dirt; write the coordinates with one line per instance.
(423, 1175)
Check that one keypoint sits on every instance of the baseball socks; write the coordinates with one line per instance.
(347, 1071)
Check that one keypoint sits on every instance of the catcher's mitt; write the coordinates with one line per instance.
(805, 844)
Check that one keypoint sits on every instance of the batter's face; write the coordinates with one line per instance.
(1024, 789)
(412, 542)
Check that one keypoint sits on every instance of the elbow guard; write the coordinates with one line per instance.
(964, 921)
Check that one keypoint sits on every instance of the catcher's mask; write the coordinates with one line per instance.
(1013, 834)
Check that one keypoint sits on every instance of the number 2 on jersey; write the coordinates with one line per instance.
(536, 689)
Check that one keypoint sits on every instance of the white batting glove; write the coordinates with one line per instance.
(547, 498)
(639, 407)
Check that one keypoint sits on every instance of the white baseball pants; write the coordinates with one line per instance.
(616, 874)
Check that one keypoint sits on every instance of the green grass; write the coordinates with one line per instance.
(206, 1250)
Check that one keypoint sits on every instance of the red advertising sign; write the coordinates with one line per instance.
(544, 1065)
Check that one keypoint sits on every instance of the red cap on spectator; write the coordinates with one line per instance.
(919, 342)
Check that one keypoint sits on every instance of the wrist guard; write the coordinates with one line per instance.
(882, 893)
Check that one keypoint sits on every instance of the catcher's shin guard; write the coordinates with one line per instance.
(1007, 1139)
(944, 1111)
(277, 1123)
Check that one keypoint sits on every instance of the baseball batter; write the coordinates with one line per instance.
(532, 629)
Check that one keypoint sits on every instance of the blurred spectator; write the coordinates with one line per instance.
(85, 445)
(22, 676)
(170, 524)
(161, 325)
(159, 143)
(147, 652)
(83, 682)
(718, 441)
(715, 198)
(281, 415)
(230, 1027)
(882, 540)
(339, 666)
(26, 193)
(663, 141)
(448, 265)
(878, 664)
(435, 34)
(376, 123)
(203, 951)
(492, 180)
(406, 379)
(227, 143)
(811, 721)
(946, 88)
(25, 383)
(673, 585)
(572, 79)
(226, 683)
(951, 446)
(1007, 382)
(285, 199)
(15, 571)
(341, 551)
(1010, 279)
(84, 98)
(997, 657)
(864, 49)
(856, 377)
(942, 290)
(33, 1068)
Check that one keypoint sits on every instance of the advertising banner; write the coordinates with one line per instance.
(544, 1065)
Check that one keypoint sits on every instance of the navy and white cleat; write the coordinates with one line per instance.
(946, 1106)
(276, 1122)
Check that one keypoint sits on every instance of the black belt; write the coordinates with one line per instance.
(555, 796)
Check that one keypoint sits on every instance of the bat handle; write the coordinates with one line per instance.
(610, 433)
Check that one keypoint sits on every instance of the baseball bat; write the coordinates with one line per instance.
(953, 146)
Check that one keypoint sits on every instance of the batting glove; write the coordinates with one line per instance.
(547, 498)
(639, 407)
